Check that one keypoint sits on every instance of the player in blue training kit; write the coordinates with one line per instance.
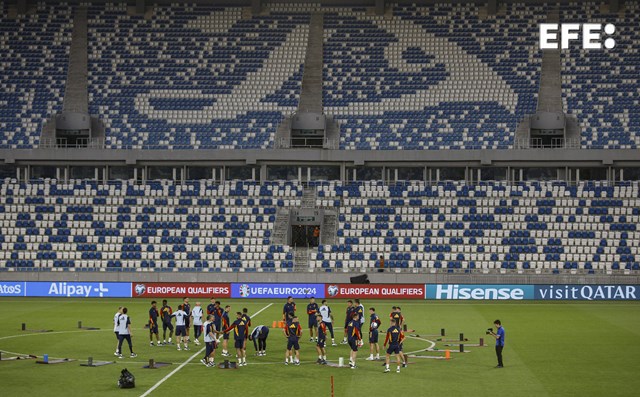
(239, 328)
(322, 339)
(166, 313)
(289, 307)
(348, 317)
(354, 338)
(293, 331)
(499, 335)
(247, 321)
(225, 338)
(312, 311)
(181, 330)
(374, 325)
(153, 323)
(394, 339)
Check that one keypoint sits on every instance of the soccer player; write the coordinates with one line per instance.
(239, 328)
(259, 337)
(354, 337)
(312, 311)
(196, 316)
(347, 319)
(217, 314)
(374, 324)
(210, 342)
(293, 331)
(186, 307)
(153, 323)
(327, 319)
(225, 338)
(211, 306)
(394, 339)
(124, 332)
(166, 313)
(247, 321)
(322, 338)
(359, 308)
(289, 307)
(396, 314)
(181, 327)
(115, 328)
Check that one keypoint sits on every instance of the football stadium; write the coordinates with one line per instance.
(322, 198)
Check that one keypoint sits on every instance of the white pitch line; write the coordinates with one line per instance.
(161, 381)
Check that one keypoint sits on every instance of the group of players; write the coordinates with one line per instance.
(321, 320)
(217, 328)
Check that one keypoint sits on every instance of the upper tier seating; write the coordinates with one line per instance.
(194, 77)
(34, 52)
(84, 225)
(545, 227)
(601, 87)
(433, 77)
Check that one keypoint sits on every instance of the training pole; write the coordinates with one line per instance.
(332, 395)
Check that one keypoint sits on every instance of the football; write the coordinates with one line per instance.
(374, 325)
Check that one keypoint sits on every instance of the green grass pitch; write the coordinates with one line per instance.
(552, 349)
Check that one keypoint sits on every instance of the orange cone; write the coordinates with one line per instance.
(275, 324)
(281, 324)
(447, 354)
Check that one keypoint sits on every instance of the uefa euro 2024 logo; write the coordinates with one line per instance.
(591, 35)
(245, 291)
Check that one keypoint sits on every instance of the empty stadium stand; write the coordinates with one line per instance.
(34, 51)
(205, 226)
(164, 226)
(600, 87)
(194, 77)
(419, 81)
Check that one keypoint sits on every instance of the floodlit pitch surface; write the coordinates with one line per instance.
(552, 349)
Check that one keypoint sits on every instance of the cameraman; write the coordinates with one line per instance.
(499, 335)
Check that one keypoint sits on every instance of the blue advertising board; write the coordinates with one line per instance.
(78, 289)
(257, 290)
(587, 292)
(479, 292)
(12, 288)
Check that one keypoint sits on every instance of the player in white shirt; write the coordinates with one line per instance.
(327, 318)
(115, 328)
(360, 311)
(124, 332)
(196, 316)
(181, 332)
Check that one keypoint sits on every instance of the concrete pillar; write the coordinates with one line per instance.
(615, 5)
(492, 7)
(380, 4)
(256, 6)
(22, 6)
(140, 7)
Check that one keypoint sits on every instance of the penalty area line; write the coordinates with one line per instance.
(170, 374)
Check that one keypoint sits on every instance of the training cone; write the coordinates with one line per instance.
(447, 354)
(281, 324)
(275, 324)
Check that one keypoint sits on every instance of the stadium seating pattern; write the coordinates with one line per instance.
(600, 87)
(194, 77)
(34, 51)
(204, 226)
(538, 227)
(163, 226)
(419, 81)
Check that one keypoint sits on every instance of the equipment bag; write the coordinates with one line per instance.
(127, 380)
